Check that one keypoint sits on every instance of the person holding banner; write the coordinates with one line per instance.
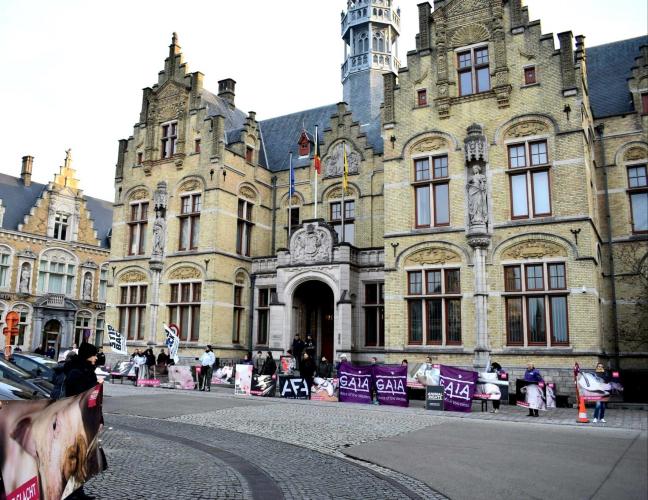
(307, 370)
(599, 410)
(533, 375)
(80, 371)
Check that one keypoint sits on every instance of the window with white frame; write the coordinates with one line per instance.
(184, 309)
(5, 267)
(103, 283)
(535, 297)
(434, 307)
(56, 274)
(473, 70)
(81, 324)
(100, 328)
(529, 177)
(431, 191)
(169, 139)
(638, 195)
(61, 226)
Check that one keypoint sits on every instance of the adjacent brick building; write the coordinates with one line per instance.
(494, 183)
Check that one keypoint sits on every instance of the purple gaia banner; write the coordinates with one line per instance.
(458, 388)
(355, 383)
(391, 384)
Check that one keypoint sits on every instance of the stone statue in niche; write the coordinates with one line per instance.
(87, 287)
(477, 199)
(159, 234)
(25, 276)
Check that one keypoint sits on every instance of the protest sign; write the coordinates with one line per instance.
(243, 380)
(324, 389)
(263, 385)
(390, 382)
(355, 383)
(593, 387)
(181, 378)
(293, 387)
(530, 394)
(459, 388)
(117, 341)
(37, 462)
(434, 397)
(172, 341)
(286, 364)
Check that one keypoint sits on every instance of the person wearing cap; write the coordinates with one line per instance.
(80, 370)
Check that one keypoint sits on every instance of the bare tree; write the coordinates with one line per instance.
(632, 263)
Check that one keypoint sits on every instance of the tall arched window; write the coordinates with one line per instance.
(56, 272)
(379, 41)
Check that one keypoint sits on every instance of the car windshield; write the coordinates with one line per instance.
(13, 369)
(38, 360)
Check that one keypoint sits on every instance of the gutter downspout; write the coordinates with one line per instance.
(274, 215)
(251, 313)
(615, 325)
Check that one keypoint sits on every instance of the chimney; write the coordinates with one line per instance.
(226, 90)
(26, 170)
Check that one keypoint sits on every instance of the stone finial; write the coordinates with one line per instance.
(475, 144)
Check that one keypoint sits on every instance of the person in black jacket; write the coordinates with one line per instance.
(101, 357)
(297, 349)
(307, 370)
(325, 369)
(269, 365)
(80, 371)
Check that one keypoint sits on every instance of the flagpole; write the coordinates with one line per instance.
(343, 189)
(290, 195)
(316, 155)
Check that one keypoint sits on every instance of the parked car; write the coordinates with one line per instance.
(14, 391)
(13, 373)
(39, 366)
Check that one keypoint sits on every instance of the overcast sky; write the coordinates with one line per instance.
(73, 70)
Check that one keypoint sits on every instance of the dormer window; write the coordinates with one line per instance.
(304, 147)
(474, 73)
(169, 139)
(61, 224)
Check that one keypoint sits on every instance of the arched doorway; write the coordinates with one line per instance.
(313, 314)
(51, 336)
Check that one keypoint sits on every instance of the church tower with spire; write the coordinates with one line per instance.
(370, 31)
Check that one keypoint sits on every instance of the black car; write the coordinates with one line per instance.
(39, 366)
(11, 372)
(14, 391)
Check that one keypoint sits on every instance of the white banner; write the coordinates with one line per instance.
(117, 341)
(172, 341)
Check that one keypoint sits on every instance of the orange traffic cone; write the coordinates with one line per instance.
(582, 412)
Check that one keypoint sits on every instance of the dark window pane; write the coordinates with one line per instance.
(513, 279)
(515, 330)
(416, 321)
(262, 337)
(371, 294)
(422, 169)
(453, 285)
(371, 326)
(536, 320)
(534, 277)
(434, 321)
(336, 211)
(415, 283)
(434, 282)
(453, 333)
(559, 320)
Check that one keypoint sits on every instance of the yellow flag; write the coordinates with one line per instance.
(345, 176)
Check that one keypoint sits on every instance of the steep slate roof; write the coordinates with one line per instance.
(608, 69)
(18, 199)
(234, 118)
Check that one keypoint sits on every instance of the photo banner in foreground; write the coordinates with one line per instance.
(355, 383)
(458, 388)
(43, 460)
(391, 384)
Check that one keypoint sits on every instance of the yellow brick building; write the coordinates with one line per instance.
(54, 249)
(475, 222)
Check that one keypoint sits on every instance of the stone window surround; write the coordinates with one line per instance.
(7, 250)
(430, 156)
(472, 49)
(634, 190)
(72, 261)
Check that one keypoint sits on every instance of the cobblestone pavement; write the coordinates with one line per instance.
(296, 472)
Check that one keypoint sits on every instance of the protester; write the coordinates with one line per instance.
(533, 375)
(495, 368)
(269, 365)
(51, 352)
(207, 360)
(374, 390)
(599, 410)
(297, 349)
(140, 365)
(163, 358)
(247, 359)
(325, 369)
(307, 370)
(150, 362)
(343, 359)
(101, 357)
(258, 361)
(404, 363)
(39, 350)
(309, 347)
